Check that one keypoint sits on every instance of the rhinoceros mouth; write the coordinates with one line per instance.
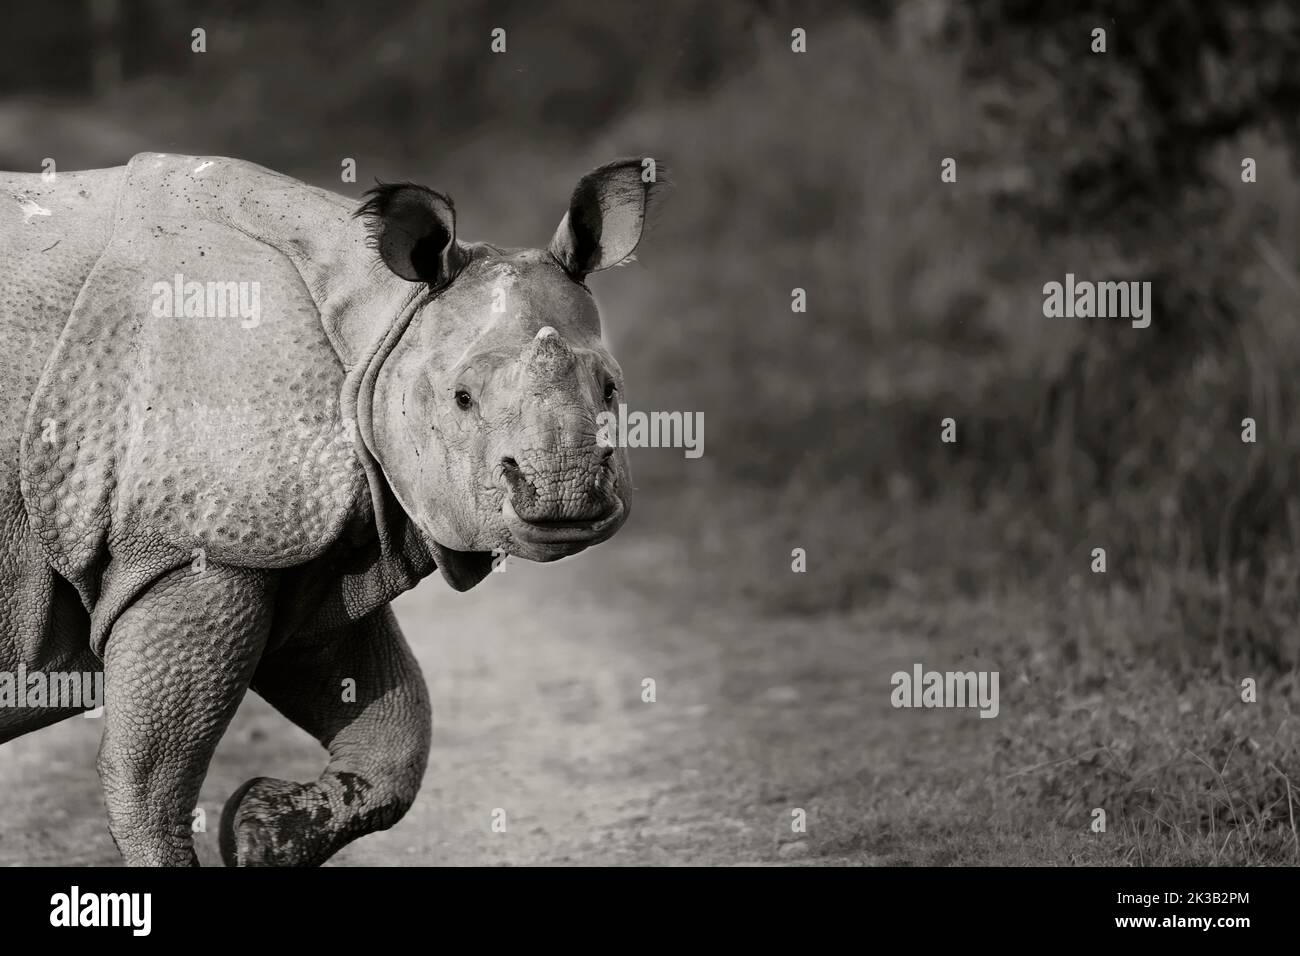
(584, 532)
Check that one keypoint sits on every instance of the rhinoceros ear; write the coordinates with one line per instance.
(414, 230)
(607, 213)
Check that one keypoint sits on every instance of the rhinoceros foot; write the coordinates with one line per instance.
(269, 822)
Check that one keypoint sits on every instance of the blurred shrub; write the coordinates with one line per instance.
(1136, 153)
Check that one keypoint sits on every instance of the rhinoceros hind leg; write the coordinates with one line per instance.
(177, 664)
(362, 695)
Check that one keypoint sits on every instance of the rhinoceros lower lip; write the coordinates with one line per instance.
(561, 532)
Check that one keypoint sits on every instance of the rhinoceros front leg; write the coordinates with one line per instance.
(177, 664)
(361, 694)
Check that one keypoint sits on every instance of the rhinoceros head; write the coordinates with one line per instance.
(484, 413)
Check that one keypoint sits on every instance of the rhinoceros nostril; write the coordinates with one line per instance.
(511, 474)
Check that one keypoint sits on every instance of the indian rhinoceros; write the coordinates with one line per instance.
(240, 416)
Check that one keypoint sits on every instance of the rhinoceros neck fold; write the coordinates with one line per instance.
(358, 397)
(398, 530)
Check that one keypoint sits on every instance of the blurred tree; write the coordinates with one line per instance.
(1126, 155)
(44, 54)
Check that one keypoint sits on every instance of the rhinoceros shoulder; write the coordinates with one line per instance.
(192, 408)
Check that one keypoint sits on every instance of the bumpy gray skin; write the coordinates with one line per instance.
(203, 505)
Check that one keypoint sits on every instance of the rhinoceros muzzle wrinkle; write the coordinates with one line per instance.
(585, 532)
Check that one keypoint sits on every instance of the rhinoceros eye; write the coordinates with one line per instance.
(463, 399)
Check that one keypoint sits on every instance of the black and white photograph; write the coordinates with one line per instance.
(761, 437)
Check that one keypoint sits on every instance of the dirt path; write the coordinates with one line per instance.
(537, 678)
